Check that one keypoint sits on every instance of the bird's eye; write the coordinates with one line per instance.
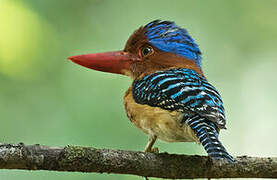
(146, 51)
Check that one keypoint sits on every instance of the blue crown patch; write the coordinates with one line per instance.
(168, 37)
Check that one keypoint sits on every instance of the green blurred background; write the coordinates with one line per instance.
(46, 99)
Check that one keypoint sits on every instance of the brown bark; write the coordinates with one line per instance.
(162, 165)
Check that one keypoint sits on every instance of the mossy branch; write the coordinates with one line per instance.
(163, 165)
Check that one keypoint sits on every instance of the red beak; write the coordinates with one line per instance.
(113, 62)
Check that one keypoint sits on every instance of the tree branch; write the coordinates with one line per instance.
(163, 165)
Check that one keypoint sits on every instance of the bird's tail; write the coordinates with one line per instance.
(207, 134)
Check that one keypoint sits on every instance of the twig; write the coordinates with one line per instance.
(162, 165)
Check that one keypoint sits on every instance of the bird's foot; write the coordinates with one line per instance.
(153, 150)
(149, 145)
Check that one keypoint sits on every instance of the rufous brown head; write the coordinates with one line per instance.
(158, 45)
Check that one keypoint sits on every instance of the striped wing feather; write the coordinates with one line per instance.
(186, 91)
(181, 90)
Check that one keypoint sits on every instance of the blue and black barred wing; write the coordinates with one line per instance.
(181, 90)
(186, 91)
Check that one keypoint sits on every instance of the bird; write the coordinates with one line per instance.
(170, 98)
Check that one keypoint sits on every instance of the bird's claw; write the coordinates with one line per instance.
(153, 150)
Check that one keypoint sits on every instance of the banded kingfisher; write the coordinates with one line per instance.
(170, 98)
